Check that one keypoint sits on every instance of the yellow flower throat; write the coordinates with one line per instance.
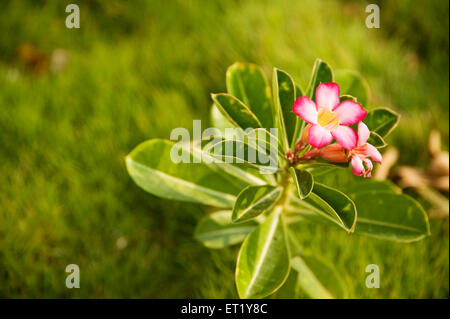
(327, 119)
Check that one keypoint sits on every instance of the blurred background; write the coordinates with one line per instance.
(74, 102)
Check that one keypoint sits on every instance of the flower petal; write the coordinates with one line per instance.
(363, 133)
(349, 112)
(327, 96)
(358, 167)
(306, 109)
(345, 136)
(373, 153)
(319, 137)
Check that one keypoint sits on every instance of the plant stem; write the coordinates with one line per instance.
(286, 185)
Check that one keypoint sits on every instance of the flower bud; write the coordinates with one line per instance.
(311, 154)
(303, 140)
(334, 153)
(305, 133)
(289, 156)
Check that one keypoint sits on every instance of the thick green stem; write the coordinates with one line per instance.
(286, 185)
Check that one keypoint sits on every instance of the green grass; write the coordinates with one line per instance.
(138, 71)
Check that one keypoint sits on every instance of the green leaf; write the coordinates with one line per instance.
(235, 111)
(258, 138)
(320, 170)
(217, 231)
(326, 205)
(318, 164)
(376, 140)
(284, 98)
(298, 91)
(245, 174)
(352, 83)
(382, 121)
(310, 277)
(313, 209)
(253, 201)
(303, 180)
(247, 82)
(218, 120)
(299, 124)
(263, 262)
(151, 168)
(256, 172)
(347, 97)
(371, 186)
(390, 216)
(245, 149)
(290, 289)
(317, 279)
(322, 73)
(341, 204)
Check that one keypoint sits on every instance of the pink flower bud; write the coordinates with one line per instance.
(334, 153)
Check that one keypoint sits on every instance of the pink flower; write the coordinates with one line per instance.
(362, 165)
(329, 118)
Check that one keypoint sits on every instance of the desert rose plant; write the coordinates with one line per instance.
(288, 139)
